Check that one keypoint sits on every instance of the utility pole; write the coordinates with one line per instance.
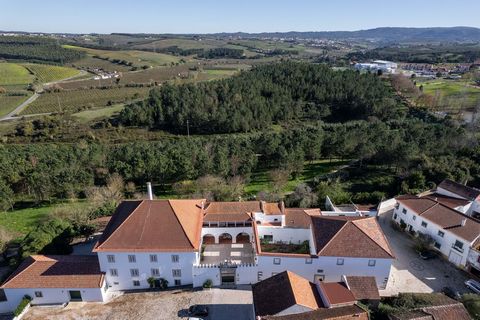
(188, 128)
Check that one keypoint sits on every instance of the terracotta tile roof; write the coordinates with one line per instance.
(447, 218)
(282, 291)
(57, 272)
(229, 211)
(299, 217)
(460, 189)
(353, 312)
(336, 294)
(154, 225)
(272, 208)
(350, 237)
(448, 201)
(448, 312)
(363, 288)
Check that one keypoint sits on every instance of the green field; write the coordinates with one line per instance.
(14, 74)
(77, 100)
(48, 73)
(260, 180)
(452, 94)
(90, 115)
(9, 103)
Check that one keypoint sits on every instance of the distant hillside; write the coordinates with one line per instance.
(387, 34)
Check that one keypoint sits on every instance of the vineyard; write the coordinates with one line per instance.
(78, 100)
(8, 103)
(47, 73)
(13, 74)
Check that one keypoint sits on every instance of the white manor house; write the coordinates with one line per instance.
(187, 242)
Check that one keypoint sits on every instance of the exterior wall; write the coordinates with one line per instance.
(288, 235)
(233, 231)
(294, 310)
(124, 280)
(474, 258)
(270, 218)
(50, 296)
(446, 242)
(203, 273)
(326, 268)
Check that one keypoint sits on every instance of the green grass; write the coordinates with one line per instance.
(90, 115)
(9, 103)
(452, 94)
(77, 100)
(260, 180)
(47, 73)
(14, 74)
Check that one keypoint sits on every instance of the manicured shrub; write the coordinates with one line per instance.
(208, 283)
(22, 305)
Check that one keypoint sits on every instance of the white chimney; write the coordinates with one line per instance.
(149, 191)
(464, 222)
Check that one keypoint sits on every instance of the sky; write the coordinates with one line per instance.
(210, 16)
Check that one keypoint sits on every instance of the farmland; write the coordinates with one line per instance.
(9, 102)
(47, 73)
(14, 74)
(94, 114)
(77, 100)
(452, 95)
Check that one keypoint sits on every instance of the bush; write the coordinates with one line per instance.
(208, 283)
(22, 305)
(472, 303)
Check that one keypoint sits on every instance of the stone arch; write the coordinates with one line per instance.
(225, 238)
(242, 237)
(208, 239)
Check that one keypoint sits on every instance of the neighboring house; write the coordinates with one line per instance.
(441, 308)
(290, 296)
(456, 190)
(352, 209)
(54, 280)
(187, 242)
(454, 232)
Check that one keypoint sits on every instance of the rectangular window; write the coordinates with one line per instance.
(395, 216)
(437, 245)
(177, 273)
(372, 263)
(114, 272)
(340, 262)
(132, 258)
(414, 218)
(259, 275)
(175, 258)
(153, 258)
(276, 260)
(155, 272)
(441, 233)
(111, 258)
(308, 261)
(3, 296)
(178, 282)
(404, 211)
(38, 294)
(136, 283)
(424, 224)
(268, 238)
(459, 244)
(134, 272)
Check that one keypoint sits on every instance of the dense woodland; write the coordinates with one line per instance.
(36, 49)
(269, 94)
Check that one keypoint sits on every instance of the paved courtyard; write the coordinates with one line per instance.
(224, 304)
(236, 253)
(412, 274)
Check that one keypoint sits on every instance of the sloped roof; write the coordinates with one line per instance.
(440, 214)
(230, 211)
(282, 291)
(40, 271)
(359, 237)
(154, 225)
(448, 201)
(336, 293)
(363, 288)
(460, 189)
(352, 312)
(300, 217)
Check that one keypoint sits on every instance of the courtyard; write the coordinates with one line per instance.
(236, 253)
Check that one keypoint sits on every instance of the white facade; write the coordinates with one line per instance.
(450, 245)
(233, 231)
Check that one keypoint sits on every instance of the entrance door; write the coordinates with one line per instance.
(454, 257)
(227, 275)
(75, 295)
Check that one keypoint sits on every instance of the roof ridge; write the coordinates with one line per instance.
(15, 276)
(180, 223)
(386, 241)
(144, 222)
(121, 224)
(336, 234)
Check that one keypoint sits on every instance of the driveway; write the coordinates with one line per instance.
(409, 273)
(224, 304)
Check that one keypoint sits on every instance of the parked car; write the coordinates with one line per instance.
(473, 285)
(197, 310)
(451, 293)
(427, 255)
(194, 318)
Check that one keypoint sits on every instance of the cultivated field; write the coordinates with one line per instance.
(14, 74)
(9, 103)
(451, 95)
(48, 73)
(77, 100)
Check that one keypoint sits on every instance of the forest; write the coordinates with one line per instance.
(36, 49)
(268, 94)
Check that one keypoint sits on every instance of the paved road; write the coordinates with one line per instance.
(412, 274)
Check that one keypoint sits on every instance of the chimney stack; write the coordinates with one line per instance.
(464, 222)
(149, 191)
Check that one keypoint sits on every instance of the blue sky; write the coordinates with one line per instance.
(208, 16)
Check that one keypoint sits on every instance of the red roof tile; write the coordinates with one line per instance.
(363, 288)
(336, 294)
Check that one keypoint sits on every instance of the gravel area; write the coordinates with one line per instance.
(224, 304)
(410, 273)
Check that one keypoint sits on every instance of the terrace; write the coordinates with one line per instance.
(233, 253)
(282, 247)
